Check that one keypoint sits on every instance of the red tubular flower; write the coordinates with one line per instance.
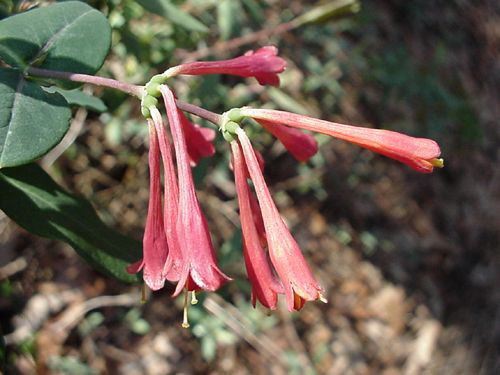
(263, 64)
(155, 247)
(198, 139)
(286, 257)
(301, 145)
(420, 154)
(200, 270)
(173, 265)
(265, 287)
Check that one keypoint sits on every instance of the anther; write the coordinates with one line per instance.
(194, 300)
(322, 298)
(438, 163)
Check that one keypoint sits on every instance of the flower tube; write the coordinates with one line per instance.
(421, 154)
(263, 64)
(265, 287)
(155, 246)
(292, 269)
(200, 270)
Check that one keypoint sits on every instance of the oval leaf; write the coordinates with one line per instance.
(32, 121)
(34, 201)
(69, 36)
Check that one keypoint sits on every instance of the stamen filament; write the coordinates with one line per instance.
(185, 321)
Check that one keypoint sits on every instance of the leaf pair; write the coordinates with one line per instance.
(71, 37)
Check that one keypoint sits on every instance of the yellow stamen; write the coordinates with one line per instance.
(194, 301)
(438, 163)
(185, 321)
(143, 293)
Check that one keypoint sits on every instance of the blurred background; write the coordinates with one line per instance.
(410, 262)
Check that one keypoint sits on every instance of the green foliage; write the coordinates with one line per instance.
(78, 98)
(170, 12)
(32, 121)
(69, 36)
(136, 323)
(90, 323)
(211, 331)
(69, 365)
(33, 200)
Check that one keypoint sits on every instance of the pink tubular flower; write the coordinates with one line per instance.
(200, 270)
(173, 265)
(301, 145)
(298, 282)
(198, 139)
(263, 64)
(420, 154)
(155, 247)
(265, 287)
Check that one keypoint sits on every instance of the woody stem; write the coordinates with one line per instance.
(128, 88)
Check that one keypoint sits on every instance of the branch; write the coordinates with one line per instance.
(127, 88)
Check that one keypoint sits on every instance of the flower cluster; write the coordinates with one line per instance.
(177, 246)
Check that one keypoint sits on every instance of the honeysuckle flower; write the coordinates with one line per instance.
(257, 216)
(199, 269)
(198, 139)
(155, 246)
(265, 286)
(292, 269)
(301, 145)
(421, 154)
(263, 64)
(173, 264)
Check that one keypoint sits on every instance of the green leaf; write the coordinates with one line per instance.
(326, 11)
(33, 200)
(227, 17)
(79, 98)
(32, 121)
(166, 9)
(69, 36)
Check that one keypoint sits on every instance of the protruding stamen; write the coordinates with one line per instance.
(143, 293)
(194, 300)
(322, 298)
(438, 163)
(185, 321)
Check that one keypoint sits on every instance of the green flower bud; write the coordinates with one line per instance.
(149, 101)
(145, 112)
(235, 115)
(153, 89)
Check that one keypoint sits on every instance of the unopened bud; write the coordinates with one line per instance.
(235, 115)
